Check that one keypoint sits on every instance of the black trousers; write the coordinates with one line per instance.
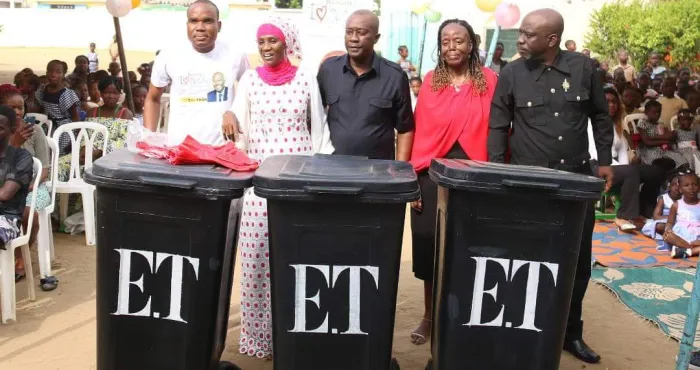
(574, 327)
(626, 179)
(652, 178)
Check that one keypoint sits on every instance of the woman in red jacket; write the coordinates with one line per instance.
(452, 120)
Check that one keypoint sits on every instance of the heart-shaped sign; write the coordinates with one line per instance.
(321, 13)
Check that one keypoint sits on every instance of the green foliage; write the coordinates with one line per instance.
(669, 27)
(289, 4)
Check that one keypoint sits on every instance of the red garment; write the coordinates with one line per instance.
(193, 152)
(447, 116)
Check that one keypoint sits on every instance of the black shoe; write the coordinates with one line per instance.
(581, 351)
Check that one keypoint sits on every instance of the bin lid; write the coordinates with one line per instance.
(310, 177)
(122, 168)
(487, 176)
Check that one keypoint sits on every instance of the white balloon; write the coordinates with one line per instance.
(118, 8)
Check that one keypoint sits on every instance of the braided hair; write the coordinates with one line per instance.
(441, 77)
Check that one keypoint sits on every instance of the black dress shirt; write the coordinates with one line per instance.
(550, 108)
(363, 111)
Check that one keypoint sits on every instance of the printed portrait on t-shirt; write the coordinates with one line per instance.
(220, 92)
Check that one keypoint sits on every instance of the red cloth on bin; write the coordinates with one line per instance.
(193, 152)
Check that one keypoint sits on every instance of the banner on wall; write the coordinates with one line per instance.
(324, 28)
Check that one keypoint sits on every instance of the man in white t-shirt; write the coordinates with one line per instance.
(201, 78)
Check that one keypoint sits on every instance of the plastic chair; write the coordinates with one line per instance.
(600, 212)
(43, 120)
(634, 119)
(674, 122)
(45, 236)
(75, 183)
(164, 112)
(7, 262)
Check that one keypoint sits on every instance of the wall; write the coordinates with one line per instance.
(151, 30)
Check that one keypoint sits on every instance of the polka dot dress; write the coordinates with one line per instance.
(278, 125)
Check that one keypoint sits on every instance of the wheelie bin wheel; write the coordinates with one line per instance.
(394, 364)
(225, 365)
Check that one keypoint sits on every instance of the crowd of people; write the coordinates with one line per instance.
(550, 107)
(86, 94)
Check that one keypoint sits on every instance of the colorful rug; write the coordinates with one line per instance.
(659, 295)
(613, 248)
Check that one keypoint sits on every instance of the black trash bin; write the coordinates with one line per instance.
(507, 244)
(336, 230)
(165, 257)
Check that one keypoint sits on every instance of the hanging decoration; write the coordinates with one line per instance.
(420, 6)
(119, 8)
(432, 16)
(507, 15)
(487, 6)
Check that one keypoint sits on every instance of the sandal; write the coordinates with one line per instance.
(48, 283)
(419, 338)
(624, 225)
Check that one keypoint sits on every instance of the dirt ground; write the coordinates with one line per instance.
(58, 330)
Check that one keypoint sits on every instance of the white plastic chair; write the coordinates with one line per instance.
(7, 262)
(634, 119)
(45, 236)
(164, 112)
(674, 122)
(75, 183)
(43, 120)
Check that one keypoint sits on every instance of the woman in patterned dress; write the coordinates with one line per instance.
(279, 111)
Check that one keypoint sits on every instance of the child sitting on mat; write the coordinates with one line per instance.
(682, 230)
(654, 228)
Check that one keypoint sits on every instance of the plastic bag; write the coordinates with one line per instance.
(75, 223)
(144, 141)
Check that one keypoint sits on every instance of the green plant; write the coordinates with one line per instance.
(669, 27)
(289, 4)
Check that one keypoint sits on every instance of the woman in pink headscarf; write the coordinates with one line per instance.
(279, 111)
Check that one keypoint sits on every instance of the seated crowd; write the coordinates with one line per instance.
(657, 128)
(80, 96)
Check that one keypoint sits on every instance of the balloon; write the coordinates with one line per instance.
(419, 6)
(507, 15)
(135, 4)
(432, 16)
(487, 6)
(118, 8)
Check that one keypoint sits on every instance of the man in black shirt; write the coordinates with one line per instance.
(368, 97)
(549, 95)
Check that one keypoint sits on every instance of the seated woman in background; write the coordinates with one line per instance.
(31, 137)
(636, 204)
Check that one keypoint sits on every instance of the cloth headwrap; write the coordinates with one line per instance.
(287, 32)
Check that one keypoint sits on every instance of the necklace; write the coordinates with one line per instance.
(458, 81)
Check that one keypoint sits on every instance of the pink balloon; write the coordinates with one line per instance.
(507, 15)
